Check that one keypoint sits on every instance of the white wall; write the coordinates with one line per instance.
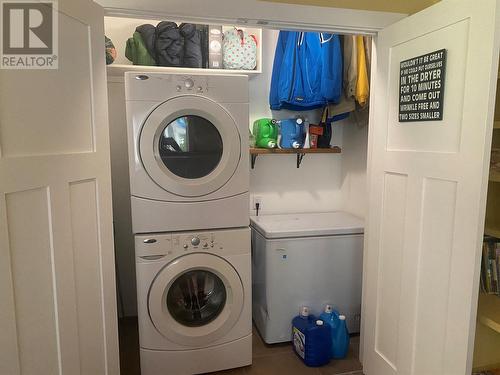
(354, 158)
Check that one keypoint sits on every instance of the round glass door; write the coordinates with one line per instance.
(190, 146)
(196, 298)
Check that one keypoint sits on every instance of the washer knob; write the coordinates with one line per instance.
(189, 83)
(195, 241)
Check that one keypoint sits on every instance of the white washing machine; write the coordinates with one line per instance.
(194, 299)
(188, 151)
(309, 259)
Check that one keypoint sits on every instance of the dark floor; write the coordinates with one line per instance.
(267, 359)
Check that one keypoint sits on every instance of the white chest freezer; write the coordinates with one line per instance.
(309, 259)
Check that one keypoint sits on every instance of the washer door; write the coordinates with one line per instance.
(190, 146)
(196, 299)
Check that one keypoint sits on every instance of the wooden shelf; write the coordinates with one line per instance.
(117, 70)
(300, 152)
(496, 124)
(260, 151)
(489, 311)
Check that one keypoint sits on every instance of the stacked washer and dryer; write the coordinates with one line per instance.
(189, 179)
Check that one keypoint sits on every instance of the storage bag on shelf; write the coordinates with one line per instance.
(239, 50)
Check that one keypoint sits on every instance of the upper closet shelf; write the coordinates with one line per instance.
(117, 70)
(120, 29)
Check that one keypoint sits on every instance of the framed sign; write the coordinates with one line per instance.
(421, 87)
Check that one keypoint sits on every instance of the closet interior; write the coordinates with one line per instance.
(281, 180)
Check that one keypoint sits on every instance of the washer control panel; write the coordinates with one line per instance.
(204, 241)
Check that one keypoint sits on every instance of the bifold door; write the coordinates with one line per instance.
(57, 283)
(427, 188)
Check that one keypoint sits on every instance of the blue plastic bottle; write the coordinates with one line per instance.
(311, 339)
(340, 339)
(331, 318)
(291, 133)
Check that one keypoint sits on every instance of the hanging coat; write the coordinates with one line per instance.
(362, 85)
(307, 71)
(331, 74)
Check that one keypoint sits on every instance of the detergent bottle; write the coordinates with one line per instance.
(311, 339)
(331, 318)
(340, 339)
(307, 141)
(291, 133)
(265, 131)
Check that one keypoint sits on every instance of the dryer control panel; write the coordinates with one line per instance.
(191, 84)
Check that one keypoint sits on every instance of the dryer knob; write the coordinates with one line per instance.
(189, 83)
(195, 241)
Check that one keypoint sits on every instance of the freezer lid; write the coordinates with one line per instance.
(307, 224)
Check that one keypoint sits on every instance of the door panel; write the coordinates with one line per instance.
(435, 136)
(32, 258)
(57, 285)
(427, 190)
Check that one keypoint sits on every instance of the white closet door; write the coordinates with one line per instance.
(57, 284)
(427, 192)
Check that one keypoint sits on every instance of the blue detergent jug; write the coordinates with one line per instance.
(291, 133)
(340, 339)
(311, 339)
(331, 318)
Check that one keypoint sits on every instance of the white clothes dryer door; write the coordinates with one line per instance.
(190, 146)
(196, 299)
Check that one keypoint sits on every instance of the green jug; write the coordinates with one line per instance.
(265, 131)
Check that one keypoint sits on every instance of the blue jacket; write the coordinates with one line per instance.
(307, 71)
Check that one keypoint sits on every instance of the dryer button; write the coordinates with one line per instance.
(189, 83)
(185, 246)
(195, 241)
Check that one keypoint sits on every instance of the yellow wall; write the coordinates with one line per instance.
(405, 6)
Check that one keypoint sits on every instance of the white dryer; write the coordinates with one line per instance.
(188, 151)
(194, 300)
